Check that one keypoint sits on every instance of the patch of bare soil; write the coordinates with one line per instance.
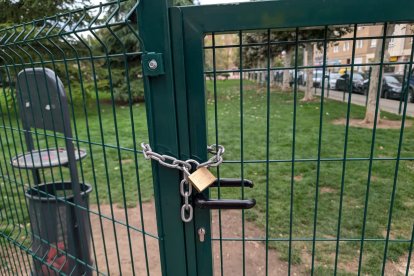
(350, 266)
(392, 235)
(14, 261)
(383, 124)
(119, 252)
(313, 100)
(400, 267)
(255, 251)
(298, 177)
(328, 190)
(231, 251)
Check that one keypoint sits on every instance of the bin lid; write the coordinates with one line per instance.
(42, 100)
(45, 158)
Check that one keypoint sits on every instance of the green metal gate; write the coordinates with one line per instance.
(332, 197)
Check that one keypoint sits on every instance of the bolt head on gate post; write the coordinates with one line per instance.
(153, 64)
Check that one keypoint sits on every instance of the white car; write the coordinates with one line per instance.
(332, 80)
(317, 78)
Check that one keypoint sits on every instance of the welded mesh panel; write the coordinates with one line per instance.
(332, 169)
(96, 53)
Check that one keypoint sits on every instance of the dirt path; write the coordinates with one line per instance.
(118, 250)
(232, 251)
(383, 124)
(255, 251)
(119, 253)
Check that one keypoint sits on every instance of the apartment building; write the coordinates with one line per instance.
(340, 52)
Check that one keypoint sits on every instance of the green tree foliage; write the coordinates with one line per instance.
(125, 76)
(282, 45)
(19, 11)
(224, 58)
(119, 74)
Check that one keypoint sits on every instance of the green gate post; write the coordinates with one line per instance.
(191, 102)
(154, 30)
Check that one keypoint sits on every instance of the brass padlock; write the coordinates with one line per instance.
(201, 179)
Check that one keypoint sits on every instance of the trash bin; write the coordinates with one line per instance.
(61, 232)
(55, 229)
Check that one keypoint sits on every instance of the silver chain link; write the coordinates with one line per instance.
(186, 209)
(185, 166)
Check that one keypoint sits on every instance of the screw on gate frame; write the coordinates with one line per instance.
(152, 64)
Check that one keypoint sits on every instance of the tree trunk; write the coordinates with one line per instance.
(272, 78)
(373, 91)
(375, 82)
(286, 74)
(258, 73)
(263, 74)
(309, 74)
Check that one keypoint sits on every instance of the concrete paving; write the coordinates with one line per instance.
(391, 106)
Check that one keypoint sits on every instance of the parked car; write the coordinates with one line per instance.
(391, 87)
(359, 85)
(400, 77)
(411, 89)
(333, 77)
(317, 78)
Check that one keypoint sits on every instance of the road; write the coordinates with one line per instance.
(391, 106)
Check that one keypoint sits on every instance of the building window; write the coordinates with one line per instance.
(359, 43)
(346, 46)
(392, 43)
(336, 49)
(373, 43)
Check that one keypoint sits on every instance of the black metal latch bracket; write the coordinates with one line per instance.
(202, 203)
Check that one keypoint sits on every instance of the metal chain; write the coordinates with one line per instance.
(217, 159)
(186, 209)
(185, 166)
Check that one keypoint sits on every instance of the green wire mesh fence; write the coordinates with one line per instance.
(96, 53)
(332, 190)
(333, 178)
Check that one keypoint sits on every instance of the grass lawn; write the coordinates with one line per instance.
(262, 134)
(275, 177)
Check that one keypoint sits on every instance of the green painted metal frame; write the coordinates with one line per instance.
(163, 136)
(176, 100)
(293, 13)
(191, 24)
(193, 144)
(168, 122)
